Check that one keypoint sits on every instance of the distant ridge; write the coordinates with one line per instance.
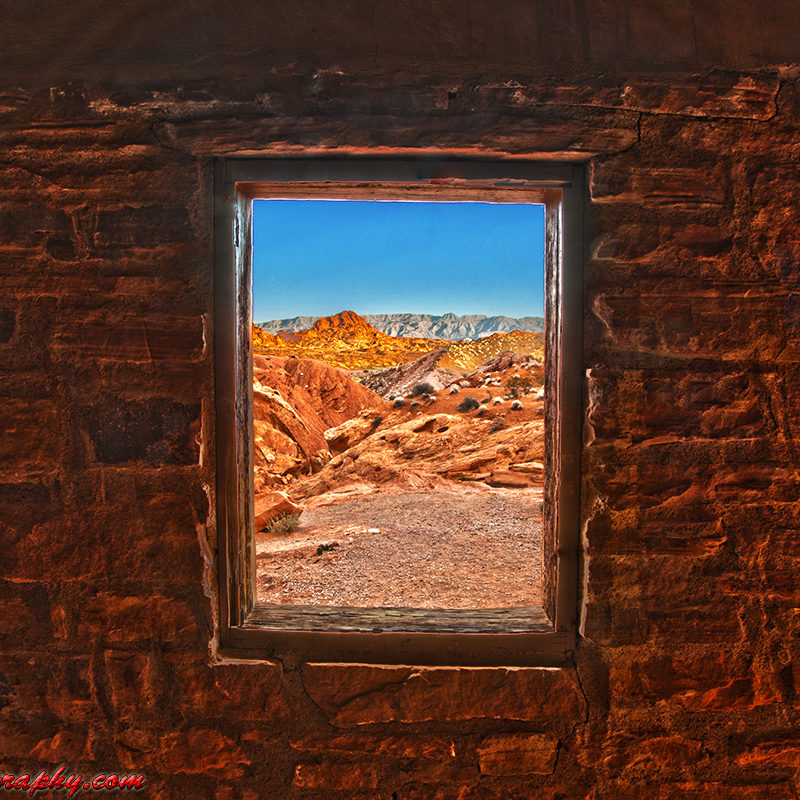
(452, 327)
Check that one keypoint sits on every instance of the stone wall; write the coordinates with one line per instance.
(684, 685)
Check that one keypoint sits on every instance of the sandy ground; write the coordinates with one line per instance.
(467, 547)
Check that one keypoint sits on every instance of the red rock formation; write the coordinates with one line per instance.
(394, 446)
(345, 340)
(294, 402)
(322, 395)
(270, 505)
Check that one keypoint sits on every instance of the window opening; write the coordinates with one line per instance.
(398, 403)
(413, 621)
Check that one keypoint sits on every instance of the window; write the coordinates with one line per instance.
(511, 636)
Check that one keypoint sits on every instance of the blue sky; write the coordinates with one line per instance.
(318, 257)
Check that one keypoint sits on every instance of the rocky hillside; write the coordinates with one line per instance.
(400, 379)
(442, 367)
(495, 438)
(343, 340)
(294, 402)
(451, 327)
(348, 341)
(316, 430)
(468, 356)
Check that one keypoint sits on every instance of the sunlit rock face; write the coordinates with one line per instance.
(343, 340)
(295, 400)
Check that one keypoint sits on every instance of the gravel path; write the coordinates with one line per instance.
(442, 549)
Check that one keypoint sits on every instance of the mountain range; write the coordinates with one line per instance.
(347, 340)
(452, 327)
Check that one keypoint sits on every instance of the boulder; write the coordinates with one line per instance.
(510, 480)
(350, 433)
(295, 400)
(529, 467)
(270, 506)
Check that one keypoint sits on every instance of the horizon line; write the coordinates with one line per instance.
(398, 313)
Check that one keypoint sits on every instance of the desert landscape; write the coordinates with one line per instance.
(398, 471)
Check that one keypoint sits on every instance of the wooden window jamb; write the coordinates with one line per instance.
(509, 637)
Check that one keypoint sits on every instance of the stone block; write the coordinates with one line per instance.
(158, 431)
(145, 226)
(131, 620)
(30, 440)
(359, 695)
(158, 339)
(634, 184)
(340, 777)
(30, 225)
(717, 94)
(201, 751)
(390, 745)
(517, 754)
(255, 692)
(781, 755)
(693, 790)
(122, 545)
(65, 746)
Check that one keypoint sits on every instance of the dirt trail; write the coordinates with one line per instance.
(465, 548)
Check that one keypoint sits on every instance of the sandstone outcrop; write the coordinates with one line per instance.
(384, 446)
(271, 505)
(315, 389)
(294, 402)
(464, 364)
(284, 442)
(344, 340)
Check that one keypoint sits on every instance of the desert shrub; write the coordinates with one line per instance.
(516, 385)
(497, 425)
(516, 405)
(420, 388)
(398, 402)
(468, 404)
(286, 523)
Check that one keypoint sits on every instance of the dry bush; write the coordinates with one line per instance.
(421, 388)
(286, 523)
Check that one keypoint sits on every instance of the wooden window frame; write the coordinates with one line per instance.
(515, 637)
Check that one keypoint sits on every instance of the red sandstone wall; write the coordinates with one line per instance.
(686, 684)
